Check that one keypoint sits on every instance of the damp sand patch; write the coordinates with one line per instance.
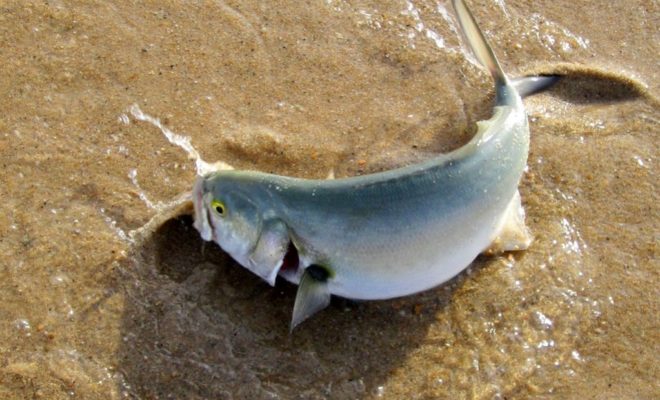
(210, 328)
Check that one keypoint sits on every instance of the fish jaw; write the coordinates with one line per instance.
(202, 222)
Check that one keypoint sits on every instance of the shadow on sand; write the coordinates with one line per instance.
(198, 325)
(583, 85)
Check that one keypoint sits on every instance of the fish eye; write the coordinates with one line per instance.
(218, 207)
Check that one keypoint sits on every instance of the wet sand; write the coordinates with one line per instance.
(100, 303)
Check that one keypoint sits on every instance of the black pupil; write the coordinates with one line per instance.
(220, 209)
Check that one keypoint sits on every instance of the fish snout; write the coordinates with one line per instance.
(202, 223)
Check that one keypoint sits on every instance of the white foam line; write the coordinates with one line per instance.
(412, 11)
(112, 224)
(165, 211)
(502, 6)
(159, 205)
(452, 26)
(201, 166)
(132, 175)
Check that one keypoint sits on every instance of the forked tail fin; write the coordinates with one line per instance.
(529, 85)
(525, 86)
(479, 45)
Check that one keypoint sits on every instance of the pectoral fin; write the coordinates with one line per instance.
(313, 294)
(513, 233)
(267, 256)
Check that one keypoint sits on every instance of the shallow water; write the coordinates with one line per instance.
(97, 305)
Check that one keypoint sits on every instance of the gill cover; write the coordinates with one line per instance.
(268, 254)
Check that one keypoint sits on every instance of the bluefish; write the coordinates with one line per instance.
(387, 234)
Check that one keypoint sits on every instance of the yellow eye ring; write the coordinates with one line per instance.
(218, 207)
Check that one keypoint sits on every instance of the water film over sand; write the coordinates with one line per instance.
(108, 292)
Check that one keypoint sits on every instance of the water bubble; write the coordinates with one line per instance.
(576, 356)
(24, 326)
(543, 320)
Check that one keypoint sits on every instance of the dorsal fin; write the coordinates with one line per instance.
(479, 45)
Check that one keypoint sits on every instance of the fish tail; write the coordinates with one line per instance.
(529, 85)
(480, 46)
(525, 86)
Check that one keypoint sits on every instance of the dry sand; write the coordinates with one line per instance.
(94, 307)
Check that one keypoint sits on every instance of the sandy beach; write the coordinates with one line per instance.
(108, 292)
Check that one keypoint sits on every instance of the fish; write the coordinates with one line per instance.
(387, 234)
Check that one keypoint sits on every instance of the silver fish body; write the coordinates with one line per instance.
(398, 232)
(381, 235)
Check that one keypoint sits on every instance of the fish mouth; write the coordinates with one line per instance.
(202, 218)
(290, 267)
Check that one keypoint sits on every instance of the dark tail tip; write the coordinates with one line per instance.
(529, 85)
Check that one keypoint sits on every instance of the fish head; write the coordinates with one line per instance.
(226, 215)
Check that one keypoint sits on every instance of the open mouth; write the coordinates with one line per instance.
(290, 263)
